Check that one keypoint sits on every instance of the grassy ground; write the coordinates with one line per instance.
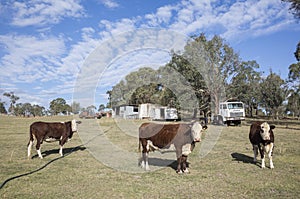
(226, 172)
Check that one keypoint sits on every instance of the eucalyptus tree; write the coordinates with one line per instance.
(294, 76)
(38, 110)
(101, 107)
(58, 105)
(297, 53)
(293, 82)
(245, 86)
(272, 93)
(75, 107)
(187, 84)
(13, 100)
(216, 62)
(294, 7)
(145, 94)
(117, 94)
(2, 108)
(125, 91)
(293, 105)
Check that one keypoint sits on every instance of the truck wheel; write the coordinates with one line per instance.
(238, 123)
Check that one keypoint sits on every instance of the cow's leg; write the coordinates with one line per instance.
(62, 141)
(255, 152)
(179, 159)
(262, 155)
(184, 162)
(179, 162)
(29, 146)
(145, 152)
(61, 150)
(38, 148)
(145, 163)
(270, 154)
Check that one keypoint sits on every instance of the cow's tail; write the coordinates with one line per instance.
(139, 149)
(30, 135)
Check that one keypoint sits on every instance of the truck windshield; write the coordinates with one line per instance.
(235, 106)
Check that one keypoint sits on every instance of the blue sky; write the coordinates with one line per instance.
(44, 45)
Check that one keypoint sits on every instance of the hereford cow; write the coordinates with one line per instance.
(160, 136)
(54, 131)
(262, 138)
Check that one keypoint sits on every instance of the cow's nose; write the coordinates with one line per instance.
(197, 140)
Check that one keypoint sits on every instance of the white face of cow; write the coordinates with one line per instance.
(196, 131)
(74, 125)
(265, 131)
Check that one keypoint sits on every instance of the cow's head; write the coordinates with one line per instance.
(74, 125)
(196, 131)
(265, 129)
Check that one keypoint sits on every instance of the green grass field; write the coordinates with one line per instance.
(226, 172)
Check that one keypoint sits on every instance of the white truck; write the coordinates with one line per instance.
(231, 113)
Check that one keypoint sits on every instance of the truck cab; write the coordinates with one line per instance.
(232, 113)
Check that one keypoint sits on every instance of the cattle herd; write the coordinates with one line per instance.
(157, 136)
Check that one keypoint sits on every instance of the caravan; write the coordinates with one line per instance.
(157, 112)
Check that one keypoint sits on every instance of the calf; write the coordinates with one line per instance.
(262, 138)
(55, 131)
(159, 136)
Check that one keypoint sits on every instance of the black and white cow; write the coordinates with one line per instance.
(161, 136)
(262, 138)
(49, 132)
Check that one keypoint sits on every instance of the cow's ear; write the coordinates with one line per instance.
(272, 127)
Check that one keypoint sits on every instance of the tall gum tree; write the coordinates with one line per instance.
(217, 63)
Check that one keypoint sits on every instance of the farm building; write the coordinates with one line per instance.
(157, 112)
(150, 111)
(125, 111)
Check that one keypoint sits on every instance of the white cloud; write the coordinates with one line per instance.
(40, 12)
(120, 26)
(30, 58)
(109, 3)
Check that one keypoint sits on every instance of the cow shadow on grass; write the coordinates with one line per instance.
(239, 157)
(159, 162)
(66, 151)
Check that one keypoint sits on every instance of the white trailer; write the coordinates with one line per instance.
(125, 111)
(231, 113)
(157, 112)
(146, 110)
(165, 113)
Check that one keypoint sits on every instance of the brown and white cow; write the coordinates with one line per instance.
(161, 136)
(262, 138)
(49, 132)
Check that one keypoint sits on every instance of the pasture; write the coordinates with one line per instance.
(226, 172)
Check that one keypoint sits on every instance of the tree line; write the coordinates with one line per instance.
(57, 106)
(211, 72)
